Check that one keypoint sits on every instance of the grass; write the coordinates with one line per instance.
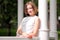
(4, 32)
(58, 34)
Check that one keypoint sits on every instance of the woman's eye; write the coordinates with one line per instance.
(29, 8)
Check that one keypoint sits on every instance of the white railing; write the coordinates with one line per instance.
(17, 38)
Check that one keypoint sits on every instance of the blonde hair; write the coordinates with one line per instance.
(33, 6)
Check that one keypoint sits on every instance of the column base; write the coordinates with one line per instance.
(53, 35)
(44, 34)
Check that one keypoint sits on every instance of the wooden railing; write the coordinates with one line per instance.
(17, 38)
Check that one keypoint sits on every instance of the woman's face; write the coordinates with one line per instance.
(30, 10)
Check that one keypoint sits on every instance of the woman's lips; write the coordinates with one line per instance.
(30, 12)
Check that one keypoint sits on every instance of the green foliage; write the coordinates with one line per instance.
(8, 12)
(58, 33)
(35, 1)
(58, 1)
(8, 15)
(4, 32)
(58, 7)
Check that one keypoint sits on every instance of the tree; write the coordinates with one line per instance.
(8, 14)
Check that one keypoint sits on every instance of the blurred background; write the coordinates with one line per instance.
(9, 16)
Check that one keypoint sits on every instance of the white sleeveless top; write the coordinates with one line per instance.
(28, 24)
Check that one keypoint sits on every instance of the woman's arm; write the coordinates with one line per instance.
(19, 31)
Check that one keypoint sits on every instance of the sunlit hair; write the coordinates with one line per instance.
(33, 6)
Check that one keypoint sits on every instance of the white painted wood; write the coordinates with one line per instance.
(53, 19)
(43, 14)
(20, 11)
(16, 38)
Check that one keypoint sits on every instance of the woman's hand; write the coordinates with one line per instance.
(26, 35)
(29, 36)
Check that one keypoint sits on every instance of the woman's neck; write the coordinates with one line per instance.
(32, 15)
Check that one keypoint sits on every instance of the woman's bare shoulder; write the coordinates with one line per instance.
(37, 18)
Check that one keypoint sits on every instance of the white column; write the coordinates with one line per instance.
(43, 14)
(53, 19)
(20, 11)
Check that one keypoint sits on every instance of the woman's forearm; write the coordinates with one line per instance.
(19, 32)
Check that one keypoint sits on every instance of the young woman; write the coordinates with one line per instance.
(30, 24)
